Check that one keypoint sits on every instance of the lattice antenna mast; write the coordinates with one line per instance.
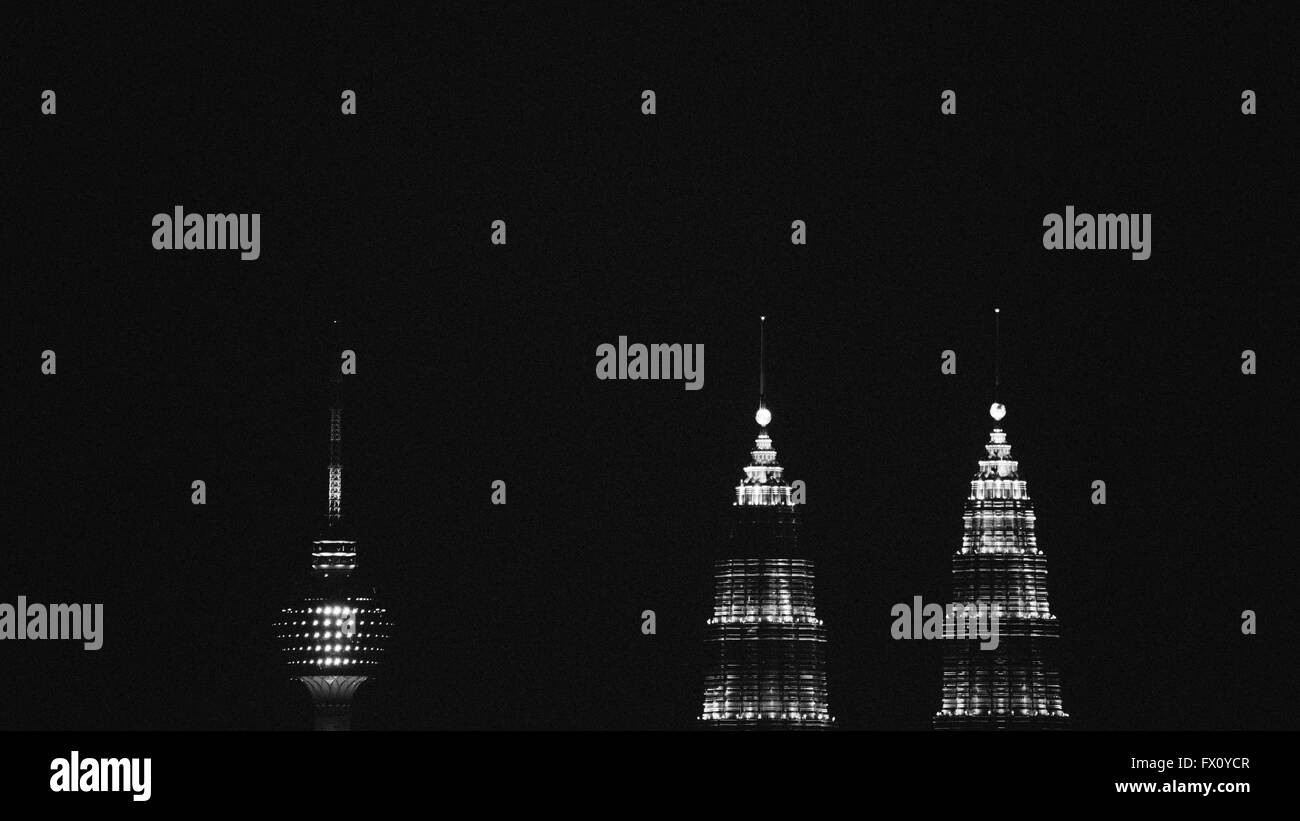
(334, 512)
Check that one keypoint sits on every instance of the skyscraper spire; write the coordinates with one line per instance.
(997, 410)
(763, 484)
(763, 415)
(997, 349)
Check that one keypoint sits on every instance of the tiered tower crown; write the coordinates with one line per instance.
(998, 516)
(763, 483)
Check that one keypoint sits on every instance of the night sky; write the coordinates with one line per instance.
(477, 362)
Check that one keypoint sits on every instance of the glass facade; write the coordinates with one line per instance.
(333, 634)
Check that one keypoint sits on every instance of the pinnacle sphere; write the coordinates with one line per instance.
(763, 417)
(997, 410)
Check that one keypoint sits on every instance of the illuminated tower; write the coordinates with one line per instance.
(1014, 685)
(334, 636)
(766, 647)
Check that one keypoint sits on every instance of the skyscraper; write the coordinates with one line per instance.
(1014, 685)
(766, 647)
(333, 637)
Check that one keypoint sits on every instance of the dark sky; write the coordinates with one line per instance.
(477, 362)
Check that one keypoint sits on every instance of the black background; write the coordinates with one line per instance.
(476, 362)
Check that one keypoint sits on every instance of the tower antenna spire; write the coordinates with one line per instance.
(763, 416)
(997, 410)
(997, 351)
(335, 552)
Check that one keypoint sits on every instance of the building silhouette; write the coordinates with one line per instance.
(1014, 685)
(334, 635)
(766, 648)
